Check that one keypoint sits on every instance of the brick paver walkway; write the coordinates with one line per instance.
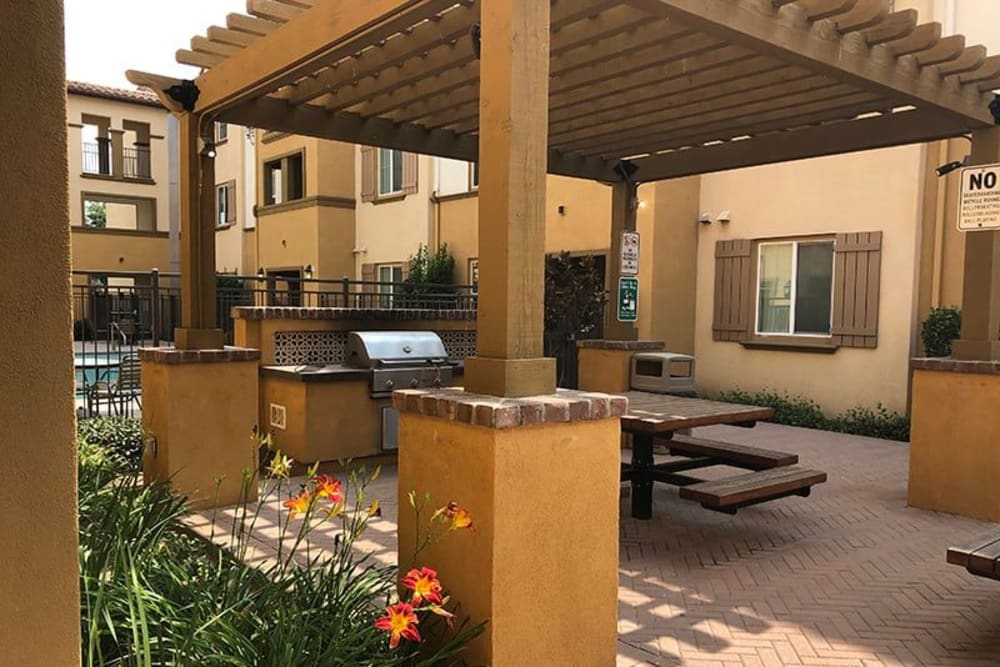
(849, 576)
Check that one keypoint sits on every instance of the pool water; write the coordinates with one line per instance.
(93, 367)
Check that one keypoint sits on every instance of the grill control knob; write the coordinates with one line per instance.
(389, 384)
(414, 383)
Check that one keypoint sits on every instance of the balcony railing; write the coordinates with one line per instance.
(136, 162)
(97, 158)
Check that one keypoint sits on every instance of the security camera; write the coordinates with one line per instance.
(946, 169)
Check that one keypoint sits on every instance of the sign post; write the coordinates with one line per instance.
(979, 198)
(628, 299)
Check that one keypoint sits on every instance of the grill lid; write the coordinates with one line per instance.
(368, 349)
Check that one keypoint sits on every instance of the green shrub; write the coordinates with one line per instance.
(119, 435)
(874, 423)
(942, 326)
(795, 410)
(429, 281)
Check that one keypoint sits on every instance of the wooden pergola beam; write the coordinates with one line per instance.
(313, 39)
(898, 129)
(278, 115)
(789, 35)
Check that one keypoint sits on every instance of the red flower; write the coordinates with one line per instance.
(425, 586)
(399, 621)
(299, 504)
(328, 487)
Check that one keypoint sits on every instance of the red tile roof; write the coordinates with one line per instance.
(143, 97)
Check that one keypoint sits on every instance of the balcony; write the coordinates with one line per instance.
(98, 160)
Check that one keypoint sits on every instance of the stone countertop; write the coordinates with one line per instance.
(947, 364)
(331, 373)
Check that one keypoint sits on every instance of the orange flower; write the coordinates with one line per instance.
(328, 487)
(425, 586)
(400, 621)
(459, 516)
(299, 504)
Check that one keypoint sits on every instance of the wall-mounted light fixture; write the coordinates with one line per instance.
(308, 273)
(725, 217)
(642, 204)
(260, 273)
(562, 210)
(208, 150)
(705, 218)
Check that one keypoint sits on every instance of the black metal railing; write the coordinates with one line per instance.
(136, 162)
(97, 158)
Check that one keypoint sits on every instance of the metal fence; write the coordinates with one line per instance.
(116, 313)
(136, 162)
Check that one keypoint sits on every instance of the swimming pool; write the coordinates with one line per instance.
(91, 367)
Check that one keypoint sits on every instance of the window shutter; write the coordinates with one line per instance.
(231, 201)
(856, 269)
(410, 169)
(733, 291)
(369, 173)
(368, 276)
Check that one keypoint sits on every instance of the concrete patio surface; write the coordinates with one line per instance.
(847, 577)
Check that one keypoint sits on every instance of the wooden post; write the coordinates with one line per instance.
(624, 206)
(981, 287)
(513, 141)
(197, 183)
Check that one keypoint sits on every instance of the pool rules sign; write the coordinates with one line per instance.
(979, 199)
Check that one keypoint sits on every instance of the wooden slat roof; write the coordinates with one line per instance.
(677, 86)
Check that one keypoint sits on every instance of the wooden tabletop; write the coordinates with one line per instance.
(657, 413)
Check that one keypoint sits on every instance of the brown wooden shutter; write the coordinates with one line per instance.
(231, 201)
(410, 169)
(368, 276)
(733, 291)
(856, 278)
(369, 173)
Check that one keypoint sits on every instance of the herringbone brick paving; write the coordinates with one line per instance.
(849, 576)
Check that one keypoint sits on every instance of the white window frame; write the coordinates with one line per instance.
(387, 292)
(221, 132)
(391, 153)
(222, 205)
(793, 292)
(473, 180)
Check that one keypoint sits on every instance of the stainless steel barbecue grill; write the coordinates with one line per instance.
(399, 360)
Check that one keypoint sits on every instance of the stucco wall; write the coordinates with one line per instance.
(390, 231)
(40, 601)
(119, 250)
(231, 156)
(584, 226)
(880, 190)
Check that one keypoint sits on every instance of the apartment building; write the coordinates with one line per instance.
(235, 199)
(119, 179)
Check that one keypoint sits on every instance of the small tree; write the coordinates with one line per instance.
(96, 214)
(575, 300)
(430, 279)
(940, 329)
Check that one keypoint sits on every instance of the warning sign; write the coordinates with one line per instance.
(630, 254)
(979, 201)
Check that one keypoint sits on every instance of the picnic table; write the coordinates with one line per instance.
(980, 557)
(656, 419)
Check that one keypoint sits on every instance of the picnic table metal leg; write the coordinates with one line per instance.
(642, 481)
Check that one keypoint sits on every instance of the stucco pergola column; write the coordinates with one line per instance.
(981, 288)
(198, 330)
(513, 156)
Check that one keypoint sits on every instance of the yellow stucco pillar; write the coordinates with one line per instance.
(606, 365)
(953, 437)
(39, 582)
(198, 411)
(540, 477)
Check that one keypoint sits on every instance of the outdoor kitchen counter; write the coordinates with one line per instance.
(333, 373)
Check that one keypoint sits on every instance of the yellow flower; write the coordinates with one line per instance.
(375, 509)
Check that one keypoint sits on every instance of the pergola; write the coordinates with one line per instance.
(619, 91)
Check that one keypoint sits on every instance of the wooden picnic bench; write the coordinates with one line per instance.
(980, 557)
(654, 419)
